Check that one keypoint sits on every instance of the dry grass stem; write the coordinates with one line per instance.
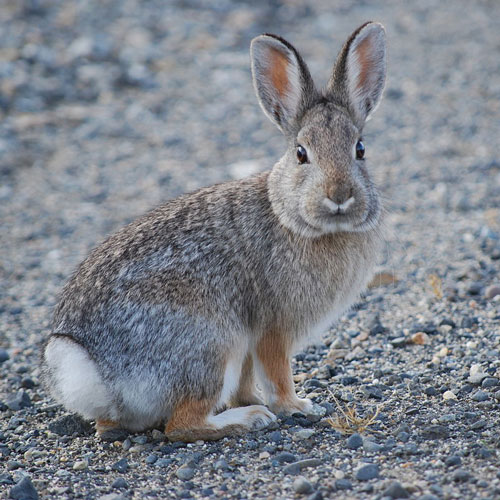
(436, 285)
(349, 422)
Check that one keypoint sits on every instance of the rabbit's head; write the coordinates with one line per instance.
(322, 185)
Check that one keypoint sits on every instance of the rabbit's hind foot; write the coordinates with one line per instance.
(188, 424)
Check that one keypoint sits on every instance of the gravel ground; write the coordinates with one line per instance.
(109, 107)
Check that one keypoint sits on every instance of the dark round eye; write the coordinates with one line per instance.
(360, 150)
(301, 155)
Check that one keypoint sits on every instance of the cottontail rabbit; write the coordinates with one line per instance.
(169, 320)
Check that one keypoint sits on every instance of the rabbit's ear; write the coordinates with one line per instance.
(358, 77)
(281, 79)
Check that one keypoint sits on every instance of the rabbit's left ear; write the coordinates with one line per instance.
(281, 79)
(358, 77)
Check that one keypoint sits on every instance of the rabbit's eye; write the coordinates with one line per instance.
(301, 155)
(360, 150)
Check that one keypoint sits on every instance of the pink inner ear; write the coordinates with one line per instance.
(278, 71)
(365, 60)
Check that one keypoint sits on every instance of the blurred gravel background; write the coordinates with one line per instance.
(110, 107)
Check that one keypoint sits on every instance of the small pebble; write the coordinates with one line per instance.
(4, 355)
(80, 465)
(296, 467)
(303, 434)
(354, 442)
(343, 484)
(119, 483)
(492, 291)
(480, 396)
(185, 473)
(489, 382)
(396, 490)
(453, 460)
(120, 466)
(302, 486)
(367, 471)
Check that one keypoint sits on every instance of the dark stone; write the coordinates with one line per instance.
(275, 437)
(6, 478)
(349, 380)
(483, 453)
(120, 466)
(19, 401)
(367, 472)
(372, 391)
(477, 396)
(462, 476)
(448, 321)
(4, 355)
(24, 490)
(285, 457)
(430, 391)
(343, 484)
(489, 382)
(27, 383)
(453, 460)
(354, 442)
(119, 482)
(479, 425)
(403, 437)
(435, 432)
(395, 490)
(296, 467)
(69, 425)
(428, 497)
(113, 435)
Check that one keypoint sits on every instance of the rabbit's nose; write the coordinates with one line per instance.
(338, 208)
(340, 198)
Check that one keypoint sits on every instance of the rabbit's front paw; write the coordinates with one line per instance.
(259, 417)
(296, 405)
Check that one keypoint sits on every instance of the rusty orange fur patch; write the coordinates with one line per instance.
(273, 351)
(105, 425)
(190, 414)
(365, 62)
(279, 71)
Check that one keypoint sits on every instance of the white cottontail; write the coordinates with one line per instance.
(171, 319)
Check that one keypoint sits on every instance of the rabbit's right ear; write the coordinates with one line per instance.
(282, 81)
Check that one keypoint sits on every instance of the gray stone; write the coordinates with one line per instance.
(396, 490)
(120, 466)
(119, 483)
(343, 484)
(492, 291)
(19, 401)
(185, 473)
(428, 497)
(69, 425)
(296, 467)
(453, 460)
(302, 486)
(221, 464)
(4, 355)
(461, 476)
(367, 471)
(285, 457)
(489, 382)
(435, 432)
(477, 396)
(371, 446)
(354, 442)
(24, 490)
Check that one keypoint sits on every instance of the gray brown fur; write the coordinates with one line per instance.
(162, 304)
